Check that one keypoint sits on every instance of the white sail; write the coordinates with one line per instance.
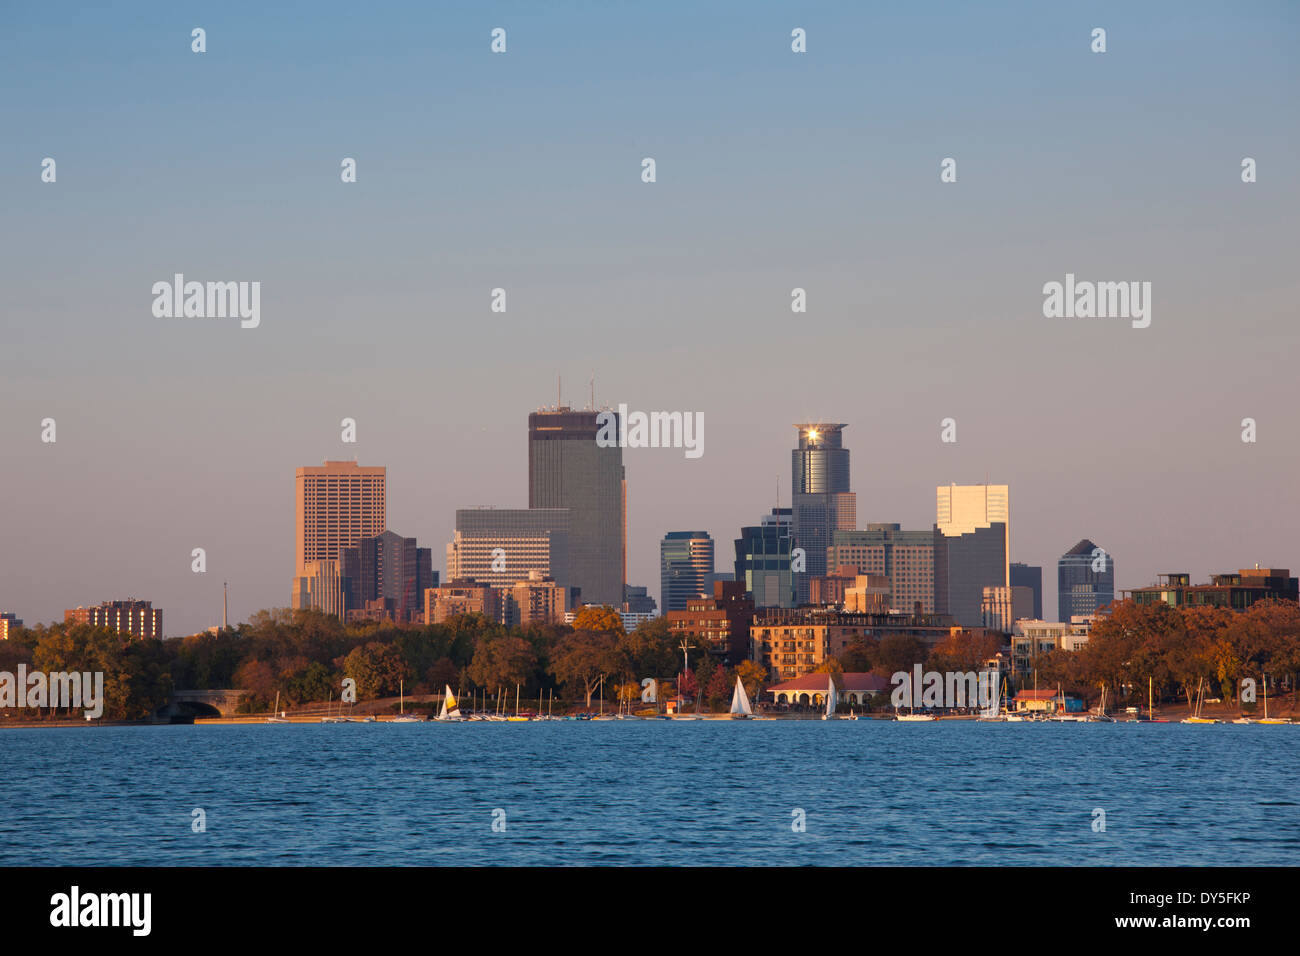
(450, 706)
(830, 696)
(740, 700)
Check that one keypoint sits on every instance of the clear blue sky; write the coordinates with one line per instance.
(522, 171)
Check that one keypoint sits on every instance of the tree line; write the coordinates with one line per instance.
(303, 656)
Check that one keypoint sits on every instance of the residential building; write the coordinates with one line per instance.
(791, 642)
(719, 623)
(137, 618)
(1234, 591)
(1030, 639)
(536, 600)
(8, 622)
(462, 596)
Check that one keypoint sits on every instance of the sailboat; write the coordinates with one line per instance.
(1062, 715)
(277, 716)
(1197, 718)
(329, 718)
(1101, 714)
(450, 706)
(740, 707)
(993, 712)
(830, 699)
(1266, 718)
(402, 716)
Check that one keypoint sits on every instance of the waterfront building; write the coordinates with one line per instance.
(568, 469)
(791, 642)
(821, 502)
(853, 689)
(137, 618)
(685, 565)
(1085, 580)
(1235, 591)
(1030, 639)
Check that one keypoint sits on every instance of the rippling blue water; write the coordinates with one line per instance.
(653, 792)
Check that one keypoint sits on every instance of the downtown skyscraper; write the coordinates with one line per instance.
(1085, 581)
(685, 568)
(337, 504)
(568, 469)
(821, 502)
(971, 547)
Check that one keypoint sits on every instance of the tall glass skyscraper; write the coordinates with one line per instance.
(685, 568)
(1085, 580)
(821, 502)
(763, 560)
(567, 469)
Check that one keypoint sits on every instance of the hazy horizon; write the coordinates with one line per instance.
(522, 171)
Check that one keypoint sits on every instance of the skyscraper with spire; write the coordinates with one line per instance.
(821, 502)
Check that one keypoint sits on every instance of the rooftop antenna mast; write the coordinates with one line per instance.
(225, 588)
(592, 406)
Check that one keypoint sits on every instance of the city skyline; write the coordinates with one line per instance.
(336, 466)
(924, 299)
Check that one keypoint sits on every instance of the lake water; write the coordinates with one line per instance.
(653, 792)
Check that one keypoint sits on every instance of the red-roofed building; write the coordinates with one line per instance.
(852, 689)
